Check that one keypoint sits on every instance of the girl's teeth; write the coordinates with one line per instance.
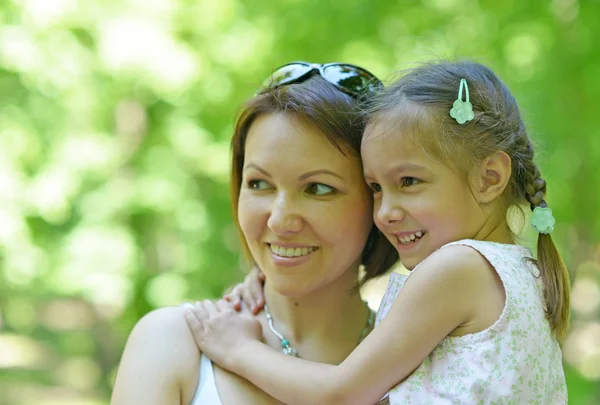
(411, 238)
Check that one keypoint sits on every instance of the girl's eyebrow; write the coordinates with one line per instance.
(403, 167)
(399, 169)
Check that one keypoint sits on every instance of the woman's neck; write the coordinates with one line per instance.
(332, 315)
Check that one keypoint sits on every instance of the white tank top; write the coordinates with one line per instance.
(206, 393)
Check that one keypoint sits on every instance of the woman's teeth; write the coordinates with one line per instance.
(407, 239)
(291, 252)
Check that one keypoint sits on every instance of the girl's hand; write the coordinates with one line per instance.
(220, 331)
(250, 292)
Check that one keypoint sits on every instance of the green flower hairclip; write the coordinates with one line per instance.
(462, 111)
(542, 220)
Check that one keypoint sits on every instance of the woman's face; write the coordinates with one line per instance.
(304, 208)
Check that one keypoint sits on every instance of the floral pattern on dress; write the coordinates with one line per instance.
(515, 361)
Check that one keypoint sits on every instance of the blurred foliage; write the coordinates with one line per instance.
(115, 118)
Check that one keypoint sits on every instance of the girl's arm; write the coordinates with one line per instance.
(441, 295)
(159, 352)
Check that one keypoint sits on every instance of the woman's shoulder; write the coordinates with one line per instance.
(163, 334)
(168, 321)
(160, 352)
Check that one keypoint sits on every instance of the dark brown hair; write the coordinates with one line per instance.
(338, 116)
(423, 97)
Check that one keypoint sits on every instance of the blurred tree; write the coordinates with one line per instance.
(115, 120)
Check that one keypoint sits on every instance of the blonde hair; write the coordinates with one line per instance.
(430, 90)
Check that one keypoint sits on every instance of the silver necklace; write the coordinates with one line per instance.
(290, 350)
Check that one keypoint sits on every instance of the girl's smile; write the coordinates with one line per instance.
(420, 204)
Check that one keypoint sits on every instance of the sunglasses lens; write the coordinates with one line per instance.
(352, 78)
(286, 74)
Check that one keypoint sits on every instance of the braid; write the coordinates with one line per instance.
(535, 188)
(553, 271)
(529, 183)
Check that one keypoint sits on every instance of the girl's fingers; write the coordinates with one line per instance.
(234, 300)
(248, 299)
(254, 282)
(199, 311)
(209, 308)
(257, 273)
(236, 297)
(256, 290)
(248, 295)
(193, 322)
(223, 306)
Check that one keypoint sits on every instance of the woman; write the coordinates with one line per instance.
(304, 213)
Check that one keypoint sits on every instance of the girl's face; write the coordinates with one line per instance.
(304, 208)
(420, 204)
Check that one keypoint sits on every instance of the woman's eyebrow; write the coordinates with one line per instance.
(257, 167)
(319, 171)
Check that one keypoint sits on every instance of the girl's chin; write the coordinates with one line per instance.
(411, 261)
(408, 265)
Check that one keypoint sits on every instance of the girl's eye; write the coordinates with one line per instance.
(375, 187)
(258, 185)
(410, 181)
(320, 189)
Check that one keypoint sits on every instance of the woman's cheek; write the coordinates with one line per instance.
(251, 213)
(353, 219)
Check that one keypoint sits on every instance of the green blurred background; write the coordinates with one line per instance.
(115, 118)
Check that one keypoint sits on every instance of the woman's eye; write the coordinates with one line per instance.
(258, 185)
(410, 181)
(375, 187)
(320, 189)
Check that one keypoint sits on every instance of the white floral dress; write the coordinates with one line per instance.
(514, 361)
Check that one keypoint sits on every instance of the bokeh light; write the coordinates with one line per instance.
(115, 120)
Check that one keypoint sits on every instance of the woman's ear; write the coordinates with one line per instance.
(493, 176)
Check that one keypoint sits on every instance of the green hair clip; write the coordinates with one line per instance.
(462, 111)
(542, 220)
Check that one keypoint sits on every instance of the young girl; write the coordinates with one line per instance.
(446, 154)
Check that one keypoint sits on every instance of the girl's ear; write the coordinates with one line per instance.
(493, 176)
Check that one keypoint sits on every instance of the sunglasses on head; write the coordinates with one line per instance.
(351, 79)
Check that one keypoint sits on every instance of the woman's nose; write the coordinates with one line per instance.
(284, 218)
